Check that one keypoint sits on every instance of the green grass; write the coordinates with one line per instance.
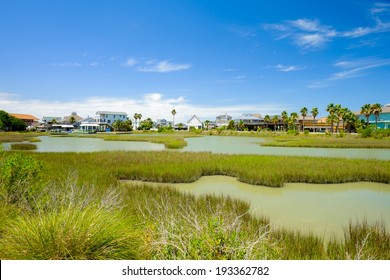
(322, 141)
(169, 167)
(7, 137)
(23, 146)
(172, 141)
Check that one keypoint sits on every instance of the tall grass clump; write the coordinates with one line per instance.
(362, 241)
(72, 221)
(181, 226)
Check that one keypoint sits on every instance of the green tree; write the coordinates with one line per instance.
(284, 116)
(231, 125)
(304, 114)
(17, 124)
(314, 113)
(5, 120)
(72, 120)
(173, 112)
(146, 124)
(207, 123)
(376, 110)
(275, 120)
(292, 121)
(267, 120)
(331, 110)
(366, 110)
(338, 113)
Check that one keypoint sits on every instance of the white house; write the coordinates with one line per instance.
(108, 117)
(194, 122)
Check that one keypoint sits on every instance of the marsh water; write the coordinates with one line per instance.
(323, 209)
(213, 144)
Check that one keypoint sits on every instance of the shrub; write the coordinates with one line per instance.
(292, 132)
(19, 178)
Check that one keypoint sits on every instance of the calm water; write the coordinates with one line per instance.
(321, 209)
(250, 145)
(73, 144)
(214, 144)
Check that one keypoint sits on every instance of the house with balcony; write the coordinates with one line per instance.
(105, 119)
(250, 121)
(222, 120)
(29, 120)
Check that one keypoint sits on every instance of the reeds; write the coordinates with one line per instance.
(23, 147)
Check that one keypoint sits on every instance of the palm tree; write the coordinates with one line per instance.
(173, 112)
(267, 120)
(275, 120)
(284, 116)
(304, 114)
(72, 120)
(314, 112)
(207, 123)
(331, 110)
(135, 120)
(337, 113)
(292, 120)
(376, 110)
(366, 111)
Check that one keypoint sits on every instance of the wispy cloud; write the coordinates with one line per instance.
(311, 34)
(67, 64)
(163, 66)
(349, 69)
(289, 68)
(355, 68)
(130, 62)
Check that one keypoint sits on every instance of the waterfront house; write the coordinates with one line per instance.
(194, 122)
(29, 120)
(105, 119)
(222, 120)
(250, 121)
(383, 118)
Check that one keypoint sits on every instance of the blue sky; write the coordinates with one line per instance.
(199, 57)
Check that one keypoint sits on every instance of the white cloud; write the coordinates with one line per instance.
(310, 34)
(355, 68)
(153, 105)
(67, 64)
(285, 68)
(163, 66)
(130, 62)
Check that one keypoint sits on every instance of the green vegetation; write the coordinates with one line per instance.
(324, 141)
(23, 146)
(7, 137)
(70, 219)
(10, 123)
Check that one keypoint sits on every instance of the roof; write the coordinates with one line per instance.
(194, 117)
(110, 113)
(24, 117)
(249, 117)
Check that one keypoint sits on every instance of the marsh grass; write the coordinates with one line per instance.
(23, 147)
(8, 137)
(169, 167)
(70, 221)
(322, 141)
